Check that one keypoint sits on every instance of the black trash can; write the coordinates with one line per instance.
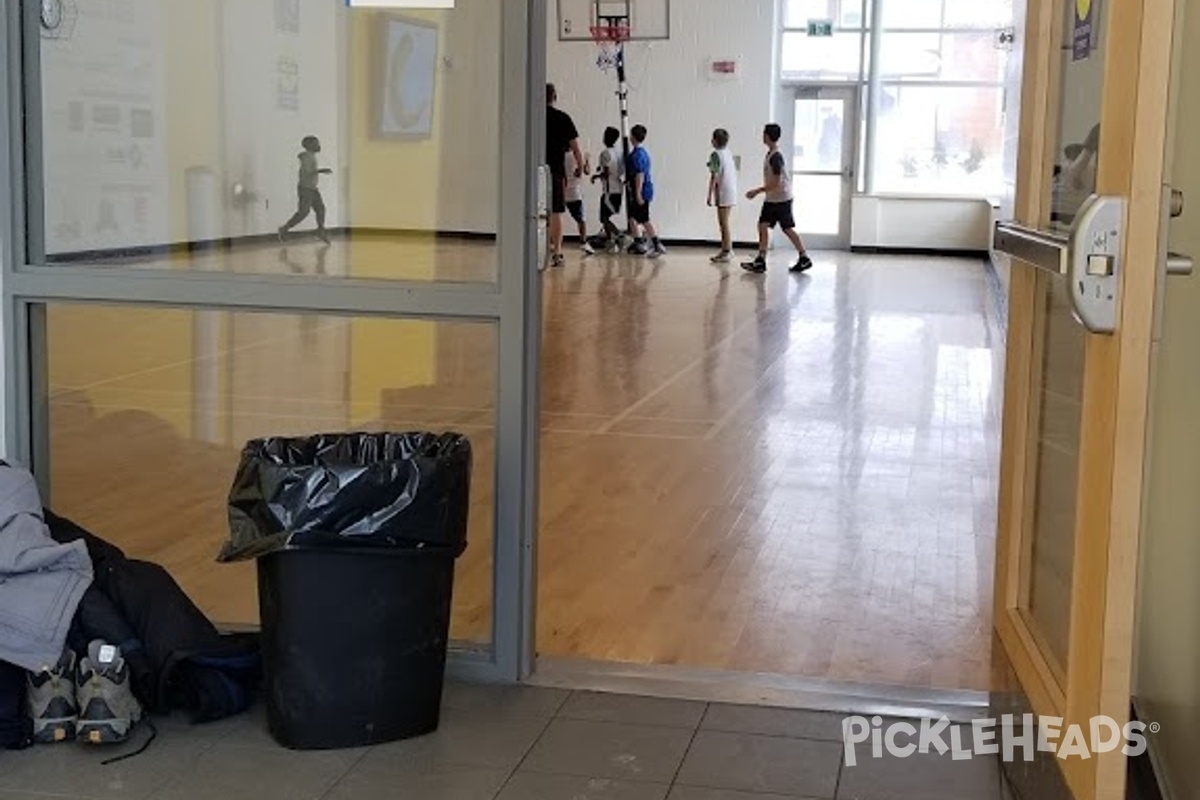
(355, 537)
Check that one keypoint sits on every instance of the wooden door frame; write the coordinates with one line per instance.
(1114, 416)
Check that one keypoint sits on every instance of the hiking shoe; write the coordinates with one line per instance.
(723, 257)
(757, 265)
(108, 708)
(587, 249)
(803, 264)
(51, 701)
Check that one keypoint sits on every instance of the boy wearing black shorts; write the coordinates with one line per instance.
(647, 242)
(777, 204)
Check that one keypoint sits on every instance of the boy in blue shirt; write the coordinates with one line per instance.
(642, 191)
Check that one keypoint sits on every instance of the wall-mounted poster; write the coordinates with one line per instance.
(407, 78)
(1083, 38)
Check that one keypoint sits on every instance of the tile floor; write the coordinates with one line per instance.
(517, 743)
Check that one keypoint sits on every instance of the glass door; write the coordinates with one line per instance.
(235, 219)
(823, 160)
(1087, 257)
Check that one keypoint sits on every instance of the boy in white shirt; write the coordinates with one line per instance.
(722, 190)
(610, 171)
(574, 198)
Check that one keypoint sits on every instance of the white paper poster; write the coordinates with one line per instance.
(104, 142)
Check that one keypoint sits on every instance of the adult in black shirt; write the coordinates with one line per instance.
(561, 137)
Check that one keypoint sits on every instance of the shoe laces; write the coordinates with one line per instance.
(142, 749)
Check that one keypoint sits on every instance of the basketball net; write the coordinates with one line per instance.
(611, 41)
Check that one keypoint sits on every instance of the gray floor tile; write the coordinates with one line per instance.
(697, 793)
(600, 707)
(774, 722)
(920, 777)
(260, 772)
(610, 750)
(751, 763)
(531, 700)
(483, 739)
(244, 730)
(75, 770)
(537, 786)
(458, 783)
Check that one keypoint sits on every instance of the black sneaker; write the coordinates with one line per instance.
(757, 265)
(803, 264)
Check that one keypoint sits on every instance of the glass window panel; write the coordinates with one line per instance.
(1058, 393)
(844, 13)
(170, 126)
(946, 56)
(819, 204)
(833, 58)
(818, 136)
(149, 410)
(934, 14)
(974, 14)
(941, 140)
(1078, 147)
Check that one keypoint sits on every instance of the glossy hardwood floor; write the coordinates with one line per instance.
(777, 473)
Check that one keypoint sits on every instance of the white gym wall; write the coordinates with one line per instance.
(680, 106)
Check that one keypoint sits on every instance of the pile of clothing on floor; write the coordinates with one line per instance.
(92, 641)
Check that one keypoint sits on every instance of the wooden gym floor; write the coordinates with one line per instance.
(788, 474)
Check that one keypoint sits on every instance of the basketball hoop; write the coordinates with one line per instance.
(610, 39)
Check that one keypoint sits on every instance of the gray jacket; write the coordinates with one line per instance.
(41, 582)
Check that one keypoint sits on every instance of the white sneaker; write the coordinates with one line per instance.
(587, 249)
(723, 257)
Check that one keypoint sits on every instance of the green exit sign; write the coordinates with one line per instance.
(820, 27)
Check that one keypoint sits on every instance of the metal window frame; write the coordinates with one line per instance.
(512, 303)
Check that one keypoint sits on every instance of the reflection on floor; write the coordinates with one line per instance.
(777, 473)
(522, 744)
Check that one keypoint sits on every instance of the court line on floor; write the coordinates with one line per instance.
(672, 380)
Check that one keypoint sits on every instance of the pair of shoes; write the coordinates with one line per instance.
(803, 264)
(759, 264)
(723, 257)
(558, 260)
(91, 701)
(587, 249)
(657, 250)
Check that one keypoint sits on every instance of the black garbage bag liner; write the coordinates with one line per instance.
(337, 490)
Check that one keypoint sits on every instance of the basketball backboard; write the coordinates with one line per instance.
(649, 19)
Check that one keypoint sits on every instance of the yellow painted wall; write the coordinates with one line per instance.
(393, 183)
